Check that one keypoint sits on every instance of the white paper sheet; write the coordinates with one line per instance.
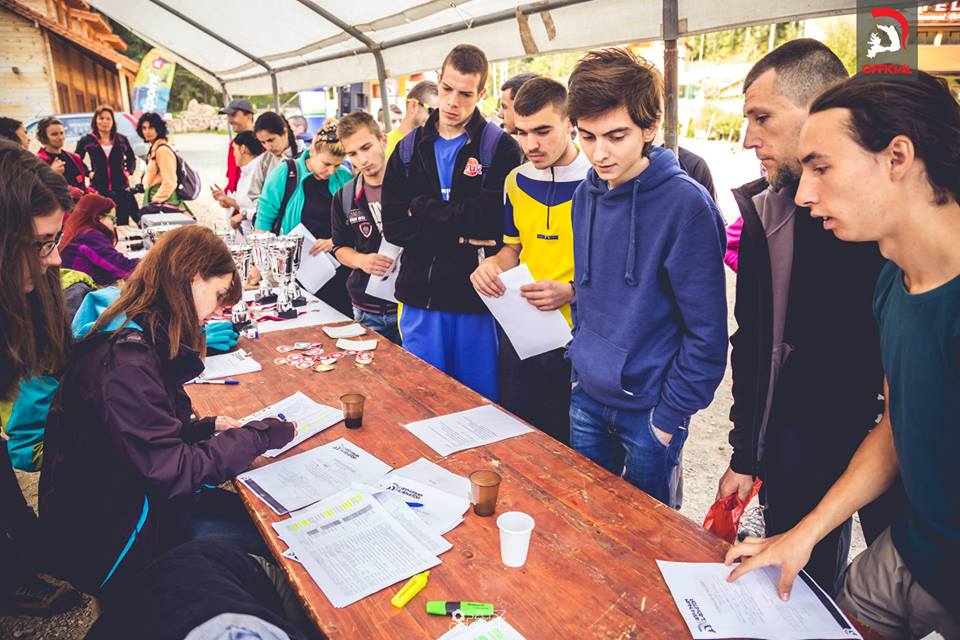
(408, 519)
(467, 429)
(530, 330)
(750, 607)
(356, 345)
(441, 511)
(426, 472)
(313, 475)
(311, 418)
(314, 313)
(315, 271)
(496, 628)
(384, 287)
(346, 331)
(352, 547)
(228, 365)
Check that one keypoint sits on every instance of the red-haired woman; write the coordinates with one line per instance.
(89, 241)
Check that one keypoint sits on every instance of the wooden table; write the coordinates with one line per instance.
(591, 570)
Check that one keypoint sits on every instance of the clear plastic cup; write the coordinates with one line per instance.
(515, 529)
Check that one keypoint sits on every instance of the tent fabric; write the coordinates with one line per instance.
(242, 42)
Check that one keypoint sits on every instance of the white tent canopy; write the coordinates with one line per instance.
(248, 47)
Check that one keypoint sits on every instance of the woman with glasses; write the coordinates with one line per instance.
(34, 338)
(310, 180)
(127, 470)
(111, 159)
(90, 239)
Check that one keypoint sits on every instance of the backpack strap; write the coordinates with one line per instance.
(405, 148)
(489, 140)
(347, 193)
(288, 189)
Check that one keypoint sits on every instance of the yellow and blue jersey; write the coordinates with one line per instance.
(537, 206)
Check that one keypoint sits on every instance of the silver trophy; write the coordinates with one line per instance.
(153, 233)
(227, 234)
(260, 252)
(293, 288)
(284, 261)
(242, 256)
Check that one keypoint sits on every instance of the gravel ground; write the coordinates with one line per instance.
(706, 453)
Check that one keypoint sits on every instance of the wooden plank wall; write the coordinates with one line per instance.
(26, 94)
(84, 80)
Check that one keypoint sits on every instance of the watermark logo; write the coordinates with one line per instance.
(698, 617)
(884, 44)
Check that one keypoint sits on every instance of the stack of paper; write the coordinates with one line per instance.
(228, 365)
(311, 418)
(313, 475)
(384, 287)
(440, 511)
(467, 429)
(493, 629)
(352, 546)
(314, 271)
(429, 473)
(346, 331)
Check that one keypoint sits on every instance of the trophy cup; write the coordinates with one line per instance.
(296, 297)
(227, 234)
(260, 252)
(281, 264)
(152, 235)
(242, 255)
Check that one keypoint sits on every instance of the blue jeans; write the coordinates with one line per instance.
(383, 323)
(623, 442)
(220, 515)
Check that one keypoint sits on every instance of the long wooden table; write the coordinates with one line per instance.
(591, 570)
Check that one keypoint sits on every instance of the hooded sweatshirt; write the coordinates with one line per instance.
(650, 317)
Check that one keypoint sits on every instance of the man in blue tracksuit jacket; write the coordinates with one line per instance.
(650, 314)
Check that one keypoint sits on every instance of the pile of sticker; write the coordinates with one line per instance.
(314, 357)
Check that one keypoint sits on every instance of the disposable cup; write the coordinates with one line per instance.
(485, 486)
(515, 529)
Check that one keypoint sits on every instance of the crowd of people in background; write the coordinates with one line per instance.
(845, 359)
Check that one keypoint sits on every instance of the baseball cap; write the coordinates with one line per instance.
(237, 105)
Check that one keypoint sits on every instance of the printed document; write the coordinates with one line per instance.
(467, 429)
(530, 330)
(311, 418)
(352, 547)
(750, 607)
(314, 271)
(384, 287)
(440, 511)
(228, 365)
(429, 473)
(313, 475)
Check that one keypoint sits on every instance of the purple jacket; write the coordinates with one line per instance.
(92, 253)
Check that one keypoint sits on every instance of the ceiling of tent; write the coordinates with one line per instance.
(238, 44)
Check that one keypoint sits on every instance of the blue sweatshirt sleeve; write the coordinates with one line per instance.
(694, 268)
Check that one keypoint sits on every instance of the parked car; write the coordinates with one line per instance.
(78, 124)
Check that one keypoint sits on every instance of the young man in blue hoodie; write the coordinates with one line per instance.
(650, 313)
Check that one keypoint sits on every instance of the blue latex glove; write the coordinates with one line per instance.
(221, 336)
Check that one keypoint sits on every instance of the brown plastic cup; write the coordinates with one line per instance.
(485, 485)
(352, 405)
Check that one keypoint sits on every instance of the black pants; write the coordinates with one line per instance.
(18, 530)
(537, 389)
(799, 467)
(127, 208)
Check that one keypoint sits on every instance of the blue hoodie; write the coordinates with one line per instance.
(650, 321)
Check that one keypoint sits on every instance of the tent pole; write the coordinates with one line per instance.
(670, 85)
(384, 98)
(276, 93)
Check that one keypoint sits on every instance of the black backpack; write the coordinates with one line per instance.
(188, 180)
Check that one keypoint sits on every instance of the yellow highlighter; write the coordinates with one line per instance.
(414, 586)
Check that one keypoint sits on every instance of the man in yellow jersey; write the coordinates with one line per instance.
(537, 232)
(421, 101)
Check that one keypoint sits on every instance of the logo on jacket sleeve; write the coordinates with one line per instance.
(365, 228)
(473, 168)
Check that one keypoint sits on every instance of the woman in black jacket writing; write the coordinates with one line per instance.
(124, 458)
(111, 160)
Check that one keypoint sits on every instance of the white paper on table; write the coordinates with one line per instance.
(496, 628)
(314, 313)
(384, 287)
(313, 475)
(441, 511)
(397, 507)
(458, 632)
(314, 271)
(347, 331)
(352, 547)
(356, 345)
(467, 429)
(530, 330)
(429, 473)
(750, 607)
(227, 365)
(311, 418)
(291, 555)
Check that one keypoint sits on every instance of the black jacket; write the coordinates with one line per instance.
(436, 266)
(829, 385)
(120, 447)
(108, 173)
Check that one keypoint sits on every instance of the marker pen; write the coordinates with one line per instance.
(468, 609)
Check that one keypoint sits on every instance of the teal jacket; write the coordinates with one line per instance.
(268, 205)
(28, 416)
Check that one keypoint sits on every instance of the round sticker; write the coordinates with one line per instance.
(284, 348)
(330, 360)
(304, 365)
(364, 358)
(320, 368)
(281, 361)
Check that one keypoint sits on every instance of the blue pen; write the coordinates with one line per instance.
(415, 505)
(281, 416)
(216, 381)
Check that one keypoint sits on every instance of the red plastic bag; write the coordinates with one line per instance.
(723, 518)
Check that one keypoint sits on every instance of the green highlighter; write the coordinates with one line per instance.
(468, 609)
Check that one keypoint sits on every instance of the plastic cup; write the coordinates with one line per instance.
(485, 485)
(515, 529)
(352, 405)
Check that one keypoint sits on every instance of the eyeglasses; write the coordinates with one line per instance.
(112, 216)
(429, 109)
(46, 247)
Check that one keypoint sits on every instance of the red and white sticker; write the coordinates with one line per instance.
(473, 168)
(284, 348)
(281, 361)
